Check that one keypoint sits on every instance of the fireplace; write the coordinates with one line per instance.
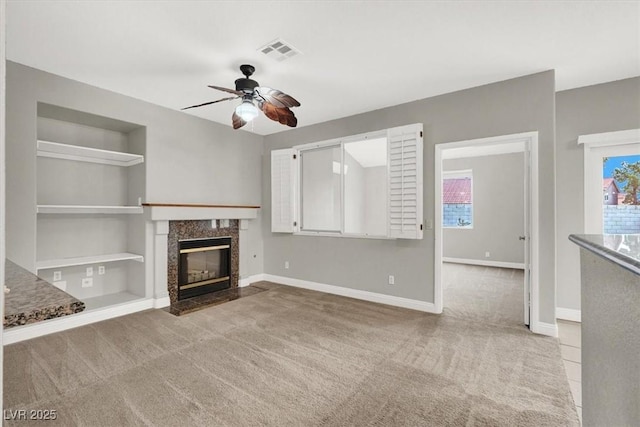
(204, 266)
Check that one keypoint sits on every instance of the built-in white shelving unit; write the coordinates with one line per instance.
(57, 150)
(90, 183)
(98, 259)
(77, 209)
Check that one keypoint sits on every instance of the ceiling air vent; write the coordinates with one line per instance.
(279, 50)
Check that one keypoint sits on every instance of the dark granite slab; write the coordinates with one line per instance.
(621, 249)
(32, 299)
(182, 230)
(214, 298)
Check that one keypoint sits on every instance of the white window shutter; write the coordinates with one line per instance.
(405, 182)
(283, 191)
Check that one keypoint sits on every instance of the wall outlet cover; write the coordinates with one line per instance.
(87, 282)
(57, 276)
(101, 270)
(487, 254)
(89, 271)
(62, 285)
(392, 280)
(286, 264)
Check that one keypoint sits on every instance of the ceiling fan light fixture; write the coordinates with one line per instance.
(246, 110)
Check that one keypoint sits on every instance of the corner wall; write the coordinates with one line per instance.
(600, 108)
(513, 106)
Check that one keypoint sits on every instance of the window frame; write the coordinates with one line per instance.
(453, 174)
(404, 196)
(300, 149)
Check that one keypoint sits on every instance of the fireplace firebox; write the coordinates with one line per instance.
(204, 266)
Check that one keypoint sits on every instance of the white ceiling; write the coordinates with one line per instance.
(357, 56)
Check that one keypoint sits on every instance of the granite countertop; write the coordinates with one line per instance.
(621, 249)
(32, 299)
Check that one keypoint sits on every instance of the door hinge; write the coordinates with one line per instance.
(295, 157)
(295, 223)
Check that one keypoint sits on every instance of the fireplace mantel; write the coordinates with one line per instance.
(176, 211)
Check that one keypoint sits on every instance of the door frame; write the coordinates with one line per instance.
(526, 142)
(595, 141)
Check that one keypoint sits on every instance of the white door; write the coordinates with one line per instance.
(606, 210)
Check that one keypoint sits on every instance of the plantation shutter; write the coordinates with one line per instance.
(282, 191)
(405, 182)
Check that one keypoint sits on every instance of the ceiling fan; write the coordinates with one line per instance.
(273, 103)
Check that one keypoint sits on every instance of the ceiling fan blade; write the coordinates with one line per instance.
(212, 102)
(282, 115)
(269, 110)
(237, 121)
(224, 89)
(276, 97)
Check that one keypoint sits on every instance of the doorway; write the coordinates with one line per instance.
(527, 145)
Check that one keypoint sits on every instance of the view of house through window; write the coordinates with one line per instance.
(457, 199)
(621, 194)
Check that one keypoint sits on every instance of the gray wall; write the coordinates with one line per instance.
(498, 210)
(513, 106)
(594, 109)
(188, 159)
(610, 343)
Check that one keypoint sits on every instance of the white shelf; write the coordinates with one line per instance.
(99, 259)
(109, 300)
(79, 209)
(57, 150)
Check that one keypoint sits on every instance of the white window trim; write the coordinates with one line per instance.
(404, 198)
(592, 223)
(299, 149)
(462, 173)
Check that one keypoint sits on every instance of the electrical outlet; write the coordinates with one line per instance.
(62, 285)
(487, 254)
(87, 282)
(429, 224)
(89, 271)
(392, 280)
(101, 270)
(57, 276)
(286, 264)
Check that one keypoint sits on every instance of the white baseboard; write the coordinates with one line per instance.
(161, 302)
(568, 314)
(549, 329)
(46, 327)
(250, 279)
(354, 293)
(487, 263)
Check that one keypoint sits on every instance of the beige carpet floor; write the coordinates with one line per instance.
(291, 357)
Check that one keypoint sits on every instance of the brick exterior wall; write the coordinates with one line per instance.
(453, 211)
(621, 219)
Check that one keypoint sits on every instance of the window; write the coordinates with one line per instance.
(367, 185)
(321, 189)
(457, 199)
(621, 186)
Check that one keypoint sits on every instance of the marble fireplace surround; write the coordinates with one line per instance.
(199, 229)
(167, 223)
